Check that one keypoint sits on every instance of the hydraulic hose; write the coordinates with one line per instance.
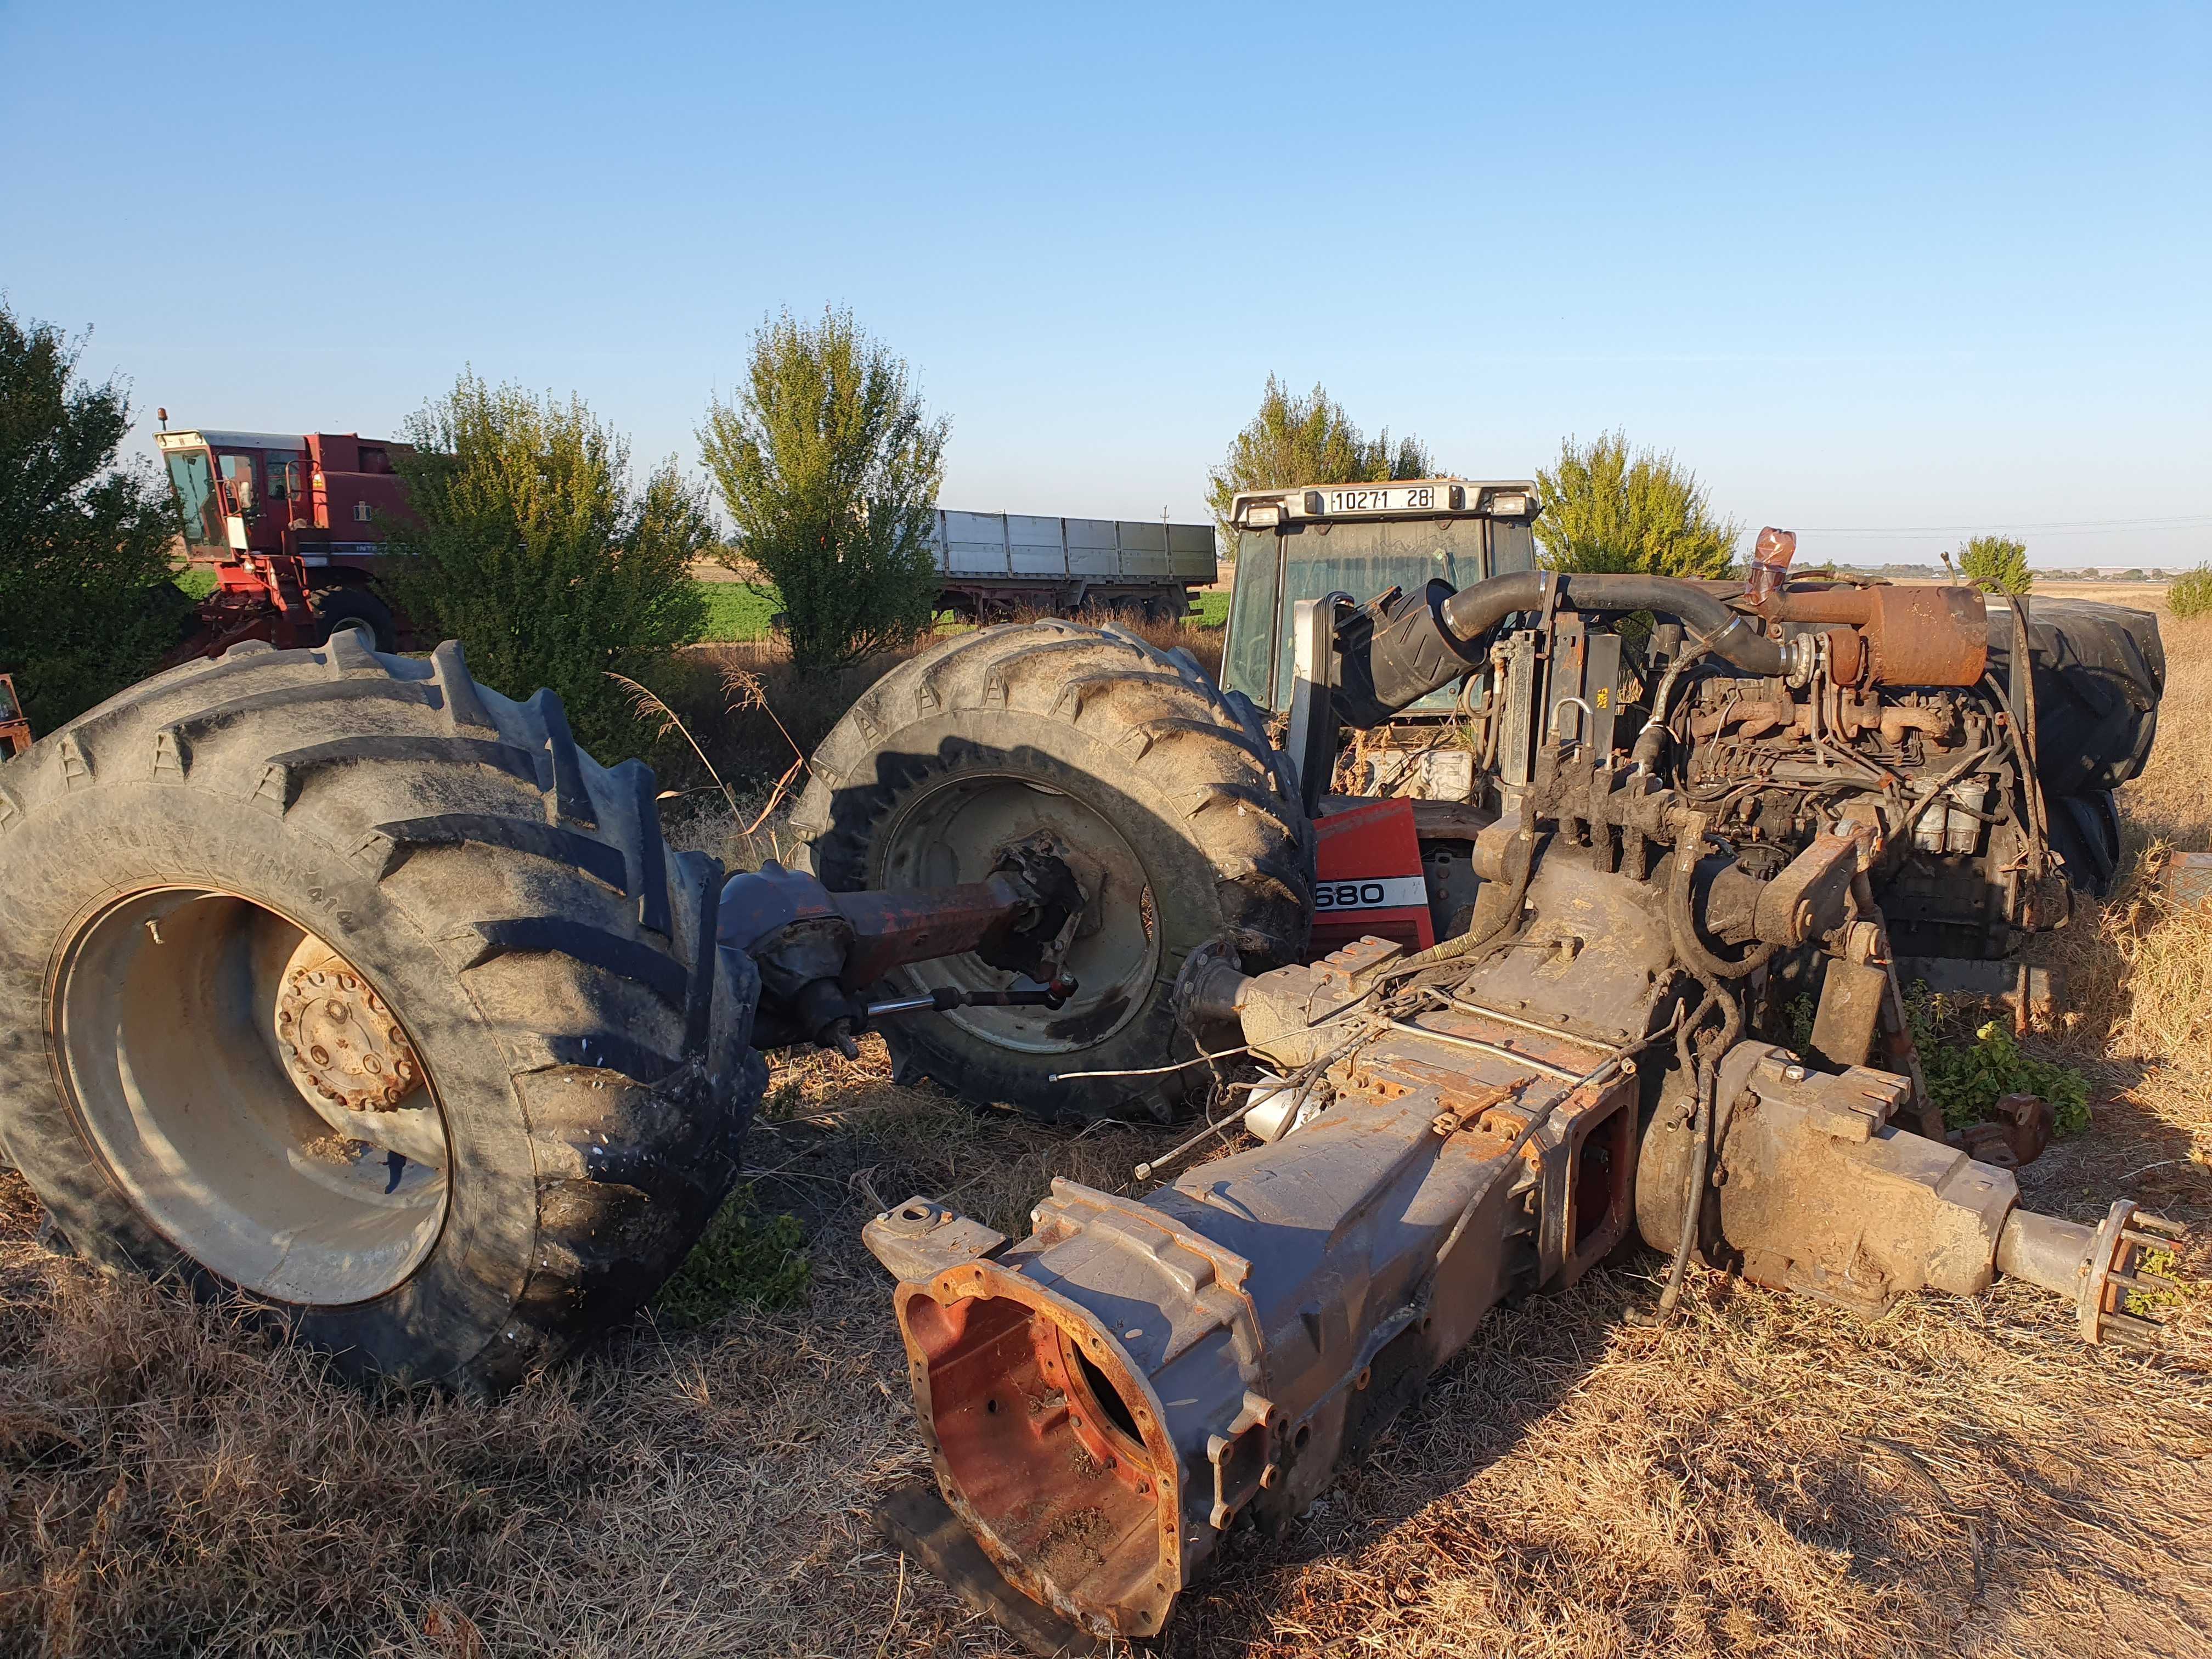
(1705, 1078)
(1682, 926)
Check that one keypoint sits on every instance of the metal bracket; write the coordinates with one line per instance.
(921, 1238)
(1315, 665)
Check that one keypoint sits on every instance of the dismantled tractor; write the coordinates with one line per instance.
(341, 984)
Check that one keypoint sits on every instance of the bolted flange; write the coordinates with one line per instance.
(338, 1040)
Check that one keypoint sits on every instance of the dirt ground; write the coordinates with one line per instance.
(1765, 1476)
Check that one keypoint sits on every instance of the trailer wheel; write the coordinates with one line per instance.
(352, 607)
(343, 986)
(1182, 824)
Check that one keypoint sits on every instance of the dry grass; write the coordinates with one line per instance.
(1765, 1476)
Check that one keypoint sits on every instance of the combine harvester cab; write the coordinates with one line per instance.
(294, 526)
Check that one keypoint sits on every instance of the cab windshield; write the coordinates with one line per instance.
(1276, 569)
(193, 480)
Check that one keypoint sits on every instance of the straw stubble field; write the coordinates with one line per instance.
(1764, 1476)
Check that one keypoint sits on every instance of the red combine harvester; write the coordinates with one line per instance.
(294, 526)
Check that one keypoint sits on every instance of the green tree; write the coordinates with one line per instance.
(1997, 561)
(537, 552)
(830, 469)
(1608, 508)
(1307, 439)
(87, 604)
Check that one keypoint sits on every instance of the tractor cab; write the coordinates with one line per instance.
(15, 727)
(226, 483)
(1362, 540)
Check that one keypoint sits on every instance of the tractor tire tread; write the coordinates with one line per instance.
(534, 878)
(1155, 730)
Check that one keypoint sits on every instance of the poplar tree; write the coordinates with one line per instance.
(1307, 439)
(829, 467)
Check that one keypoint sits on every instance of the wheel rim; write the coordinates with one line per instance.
(251, 1094)
(958, 832)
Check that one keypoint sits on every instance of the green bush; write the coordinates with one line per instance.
(741, 1258)
(2190, 594)
(1966, 1077)
(535, 551)
(85, 603)
(1997, 562)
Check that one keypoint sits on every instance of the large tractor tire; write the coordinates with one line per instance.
(356, 993)
(1183, 826)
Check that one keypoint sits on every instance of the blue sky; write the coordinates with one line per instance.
(1921, 268)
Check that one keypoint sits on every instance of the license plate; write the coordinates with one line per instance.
(1402, 498)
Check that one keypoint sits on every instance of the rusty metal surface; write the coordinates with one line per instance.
(890, 929)
(1821, 1193)
(1849, 1015)
(915, 1520)
(338, 1039)
(1916, 634)
(15, 727)
(2114, 1270)
(2188, 878)
(2017, 1132)
(1105, 1398)
(1770, 561)
(921, 1238)
(1807, 899)
(1595, 961)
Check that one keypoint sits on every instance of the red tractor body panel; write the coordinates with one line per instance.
(1368, 862)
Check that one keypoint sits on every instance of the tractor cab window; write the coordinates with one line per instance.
(1361, 558)
(193, 480)
(283, 472)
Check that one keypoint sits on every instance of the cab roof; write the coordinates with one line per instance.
(212, 439)
(1398, 498)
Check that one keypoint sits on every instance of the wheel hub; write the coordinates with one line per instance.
(338, 1040)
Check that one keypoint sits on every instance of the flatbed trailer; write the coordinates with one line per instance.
(1002, 564)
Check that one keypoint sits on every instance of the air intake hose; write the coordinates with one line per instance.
(1421, 642)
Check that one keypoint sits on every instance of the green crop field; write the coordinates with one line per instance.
(736, 611)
